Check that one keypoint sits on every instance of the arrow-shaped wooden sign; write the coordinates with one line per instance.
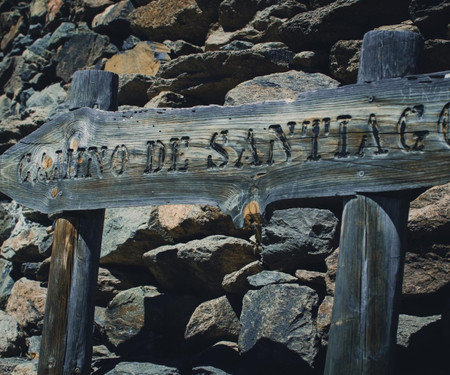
(381, 136)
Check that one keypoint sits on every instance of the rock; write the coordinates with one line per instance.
(324, 26)
(33, 344)
(29, 241)
(294, 338)
(310, 277)
(213, 321)
(431, 17)
(425, 274)
(297, 237)
(237, 45)
(48, 98)
(36, 270)
(310, 60)
(236, 282)
(344, 60)
(181, 47)
(174, 19)
(114, 19)
(61, 34)
(142, 320)
(109, 285)
(142, 368)
(8, 219)
(94, 7)
(277, 86)
(270, 277)
(130, 42)
(133, 88)
(200, 265)
(324, 318)
(29, 368)
(6, 282)
(404, 26)
(129, 232)
(235, 14)
(435, 55)
(167, 99)
(222, 356)
(11, 336)
(27, 304)
(82, 50)
(208, 76)
(208, 370)
(7, 365)
(429, 218)
(409, 325)
(13, 33)
(330, 276)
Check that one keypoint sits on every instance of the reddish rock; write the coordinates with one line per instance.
(174, 19)
(332, 266)
(27, 304)
(236, 282)
(324, 318)
(310, 277)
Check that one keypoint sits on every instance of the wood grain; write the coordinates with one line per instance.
(371, 137)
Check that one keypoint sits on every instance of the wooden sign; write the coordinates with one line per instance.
(381, 136)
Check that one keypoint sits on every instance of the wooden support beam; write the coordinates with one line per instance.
(66, 346)
(372, 246)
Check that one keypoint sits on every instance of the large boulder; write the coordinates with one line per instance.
(11, 336)
(298, 237)
(174, 19)
(199, 266)
(208, 76)
(143, 320)
(278, 86)
(290, 342)
(27, 304)
(213, 321)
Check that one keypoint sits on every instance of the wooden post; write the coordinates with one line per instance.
(372, 248)
(66, 346)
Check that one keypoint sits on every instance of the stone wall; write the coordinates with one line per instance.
(180, 289)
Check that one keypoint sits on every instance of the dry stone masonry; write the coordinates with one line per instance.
(181, 290)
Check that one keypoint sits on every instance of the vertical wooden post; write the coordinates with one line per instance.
(372, 248)
(66, 346)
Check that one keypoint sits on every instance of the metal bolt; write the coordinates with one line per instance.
(370, 98)
(77, 371)
(361, 173)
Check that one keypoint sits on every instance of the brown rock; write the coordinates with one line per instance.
(429, 218)
(236, 282)
(27, 304)
(200, 265)
(139, 60)
(310, 277)
(174, 19)
(114, 19)
(436, 55)
(310, 60)
(278, 86)
(109, 285)
(404, 26)
(425, 274)
(344, 60)
(167, 99)
(211, 322)
(330, 276)
(9, 37)
(38, 10)
(324, 318)
(54, 10)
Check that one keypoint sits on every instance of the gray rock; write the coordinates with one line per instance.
(109, 284)
(222, 356)
(310, 277)
(41, 47)
(270, 277)
(431, 17)
(213, 321)
(50, 97)
(278, 86)
(208, 76)
(208, 370)
(29, 368)
(294, 338)
(237, 45)
(236, 282)
(143, 321)
(180, 48)
(34, 345)
(11, 336)
(130, 42)
(114, 20)
(200, 265)
(297, 237)
(61, 34)
(142, 368)
(310, 60)
(6, 282)
(133, 89)
(167, 99)
(7, 365)
(36, 270)
(409, 325)
(9, 214)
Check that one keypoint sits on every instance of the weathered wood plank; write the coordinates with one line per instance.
(66, 347)
(380, 136)
(373, 243)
